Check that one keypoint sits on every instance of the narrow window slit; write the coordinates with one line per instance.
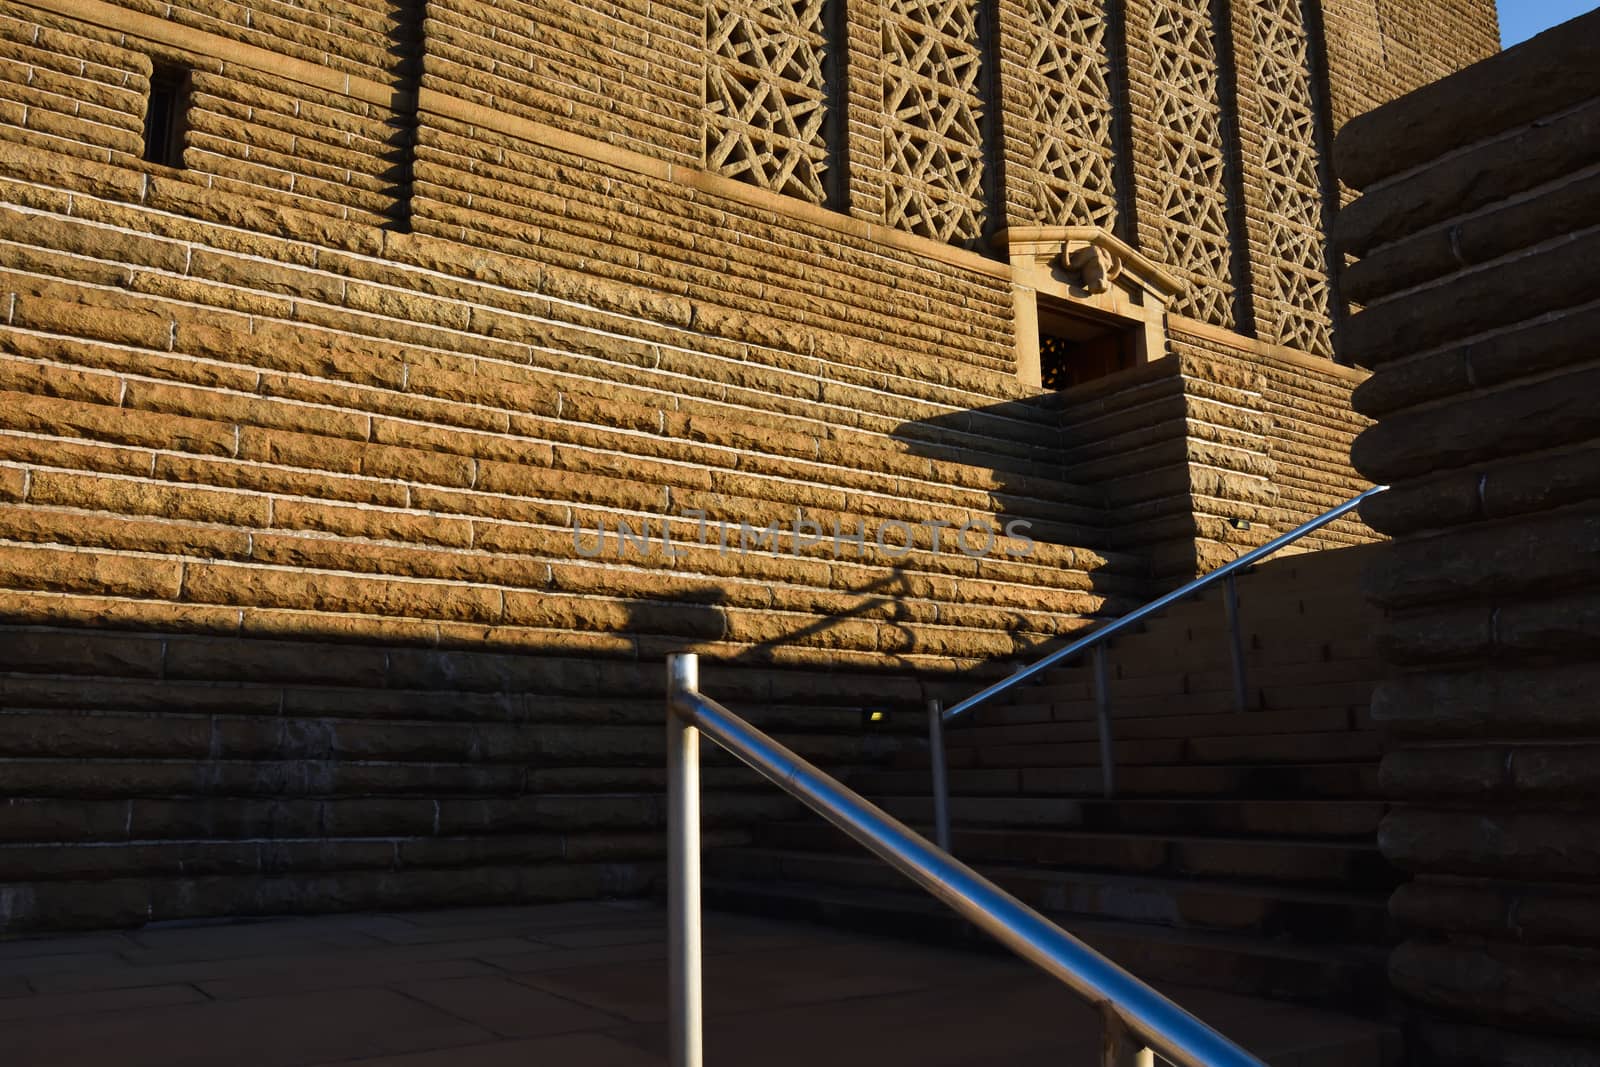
(166, 117)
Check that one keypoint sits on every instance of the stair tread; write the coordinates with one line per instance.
(1162, 836)
(1320, 819)
(1310, 802)
(882, 779)
(1353, 897)
(906, 900)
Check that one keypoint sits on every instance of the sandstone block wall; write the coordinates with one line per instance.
(1479, 233)
(294, 440)
(1186, 449)
(1377, 50)
(332, 140)
(289, 568)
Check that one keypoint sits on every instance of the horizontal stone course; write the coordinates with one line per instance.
(1481, 394)
(267, 399)
(316, 414)
(1466, 305)
(1505, 92)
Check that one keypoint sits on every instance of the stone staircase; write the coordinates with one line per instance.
(1240, 852)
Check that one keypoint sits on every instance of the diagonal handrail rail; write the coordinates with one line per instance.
(1096, 642)
(1136, 1019)
(1111, 629)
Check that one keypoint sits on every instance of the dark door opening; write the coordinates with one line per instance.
(1074, 349)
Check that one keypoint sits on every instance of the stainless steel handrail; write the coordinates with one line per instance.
(1111, 629)
(1137, 1020)
(1095, 642)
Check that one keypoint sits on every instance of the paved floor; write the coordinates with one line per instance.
(567, 985)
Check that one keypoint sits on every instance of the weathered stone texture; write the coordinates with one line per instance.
(1377, 50)
(349, 462)
(294, 437)
(1478, 275)
(626, 72)
(1222, 433)
(1181, 156)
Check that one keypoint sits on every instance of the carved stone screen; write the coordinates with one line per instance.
(766, 95)
(1071, 112)
(1191, 162)
(933, 125)
(1296, 296)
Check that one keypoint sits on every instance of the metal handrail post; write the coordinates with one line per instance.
(1154, 1020)
(1102, 712)
(1118, 1046)
(1230, 600)
(941, 781)
(683, 866)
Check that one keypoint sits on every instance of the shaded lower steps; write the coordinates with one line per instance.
(1305, 915)
(1333, 976)
(1280, 818)
(1283, 897)
(1276, 861)
(1240, 851)
(1219, 780)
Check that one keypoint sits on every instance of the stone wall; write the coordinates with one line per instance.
(1377, 50)
(304, 443)
(296, 612)
(1216, 450)
(1201, 139)
(1479, 232)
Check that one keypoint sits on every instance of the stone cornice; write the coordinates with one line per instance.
(1043, 243)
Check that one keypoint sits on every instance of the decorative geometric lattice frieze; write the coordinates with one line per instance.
(933, 137)
(1298, 297)
(1072, 117)
(1191, 164)
(766, 94)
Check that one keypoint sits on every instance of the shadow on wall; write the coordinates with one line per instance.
(700, 614)
(405, 47)
(931, 606)
(1014, 462)
(370, 762)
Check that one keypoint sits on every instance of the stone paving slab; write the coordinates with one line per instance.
(567, 985)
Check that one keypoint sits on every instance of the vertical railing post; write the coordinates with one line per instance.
(941, 781)
(1118, 1046)
(683, 866)
(1230, 600)
(1102, 707)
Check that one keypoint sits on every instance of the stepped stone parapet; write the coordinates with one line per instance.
(1478, 230)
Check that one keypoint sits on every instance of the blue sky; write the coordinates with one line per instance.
(1521, 19)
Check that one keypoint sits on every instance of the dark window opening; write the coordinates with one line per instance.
(1074, 349)
(166, 117)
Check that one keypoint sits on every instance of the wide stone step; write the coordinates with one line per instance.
(1272, 749)
(1272, 818)
(1071, 702)
(100, 902)
(1164, 696)
(1270, 912)
(1214, 675)
(1224, 724)
(1235, 781)
(1331, 976)
(1259, 748)
(1197, 748)
(1288, 861)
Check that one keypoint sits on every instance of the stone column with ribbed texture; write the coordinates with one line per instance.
(1478, 230)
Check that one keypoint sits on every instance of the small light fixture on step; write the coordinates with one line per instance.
(1239, 524)
(874, 718)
